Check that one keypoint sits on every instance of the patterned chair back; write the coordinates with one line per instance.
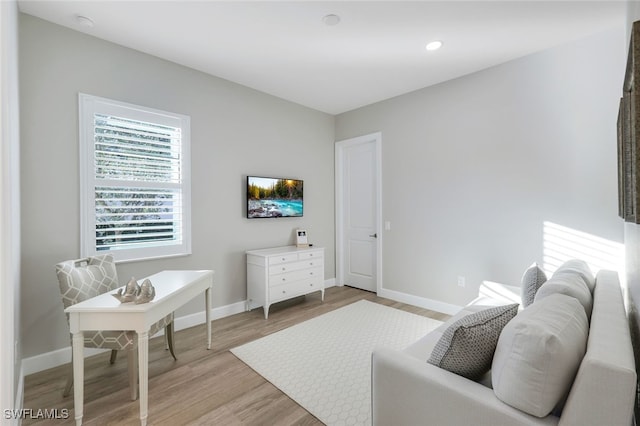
(83, 279)
(86, 278)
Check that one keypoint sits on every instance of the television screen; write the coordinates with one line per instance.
(273, 197)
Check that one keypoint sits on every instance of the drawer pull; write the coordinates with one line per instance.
(284, 258)
(310, 273)
(284, 269)
(310, 263)
(284, 292)
(284, 279)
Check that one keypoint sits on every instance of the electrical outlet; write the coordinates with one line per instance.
(461, 281)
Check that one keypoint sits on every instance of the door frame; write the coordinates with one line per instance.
(340, 148)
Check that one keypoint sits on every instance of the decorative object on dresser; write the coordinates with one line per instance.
(301, 238)
(281, 273)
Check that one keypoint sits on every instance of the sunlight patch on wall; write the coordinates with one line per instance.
(562, 243)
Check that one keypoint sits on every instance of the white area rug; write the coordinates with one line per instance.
(324, 364)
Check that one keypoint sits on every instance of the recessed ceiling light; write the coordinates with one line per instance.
(84, 21)
(331, 20)
(434, 45)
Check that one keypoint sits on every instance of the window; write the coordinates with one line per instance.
(134, 180)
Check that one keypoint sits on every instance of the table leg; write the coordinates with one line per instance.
(207, 302)
(143, 371)
(78, 375)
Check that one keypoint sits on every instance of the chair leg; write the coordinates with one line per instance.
(133, 372)
(168, 332)
(67, 387)
(69, 384)
(114, 354)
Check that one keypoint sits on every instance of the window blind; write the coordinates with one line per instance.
(137, 183)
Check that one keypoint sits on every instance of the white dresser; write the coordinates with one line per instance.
(280, 273)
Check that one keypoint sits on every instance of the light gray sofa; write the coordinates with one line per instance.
(406, 390)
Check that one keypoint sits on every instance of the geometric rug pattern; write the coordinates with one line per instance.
(324, 364)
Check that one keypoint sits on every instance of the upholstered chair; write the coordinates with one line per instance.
(86, 278)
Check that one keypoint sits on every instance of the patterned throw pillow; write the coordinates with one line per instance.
(532, 280)
(466, 347)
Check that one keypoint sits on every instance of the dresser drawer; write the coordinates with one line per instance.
(298, 275)
(283, 258)
(293, 289)
(281, 268)
(311, 255)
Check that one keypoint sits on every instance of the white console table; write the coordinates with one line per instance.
(105, 312)
(281, 273)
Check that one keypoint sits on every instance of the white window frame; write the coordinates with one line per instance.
(88, 106)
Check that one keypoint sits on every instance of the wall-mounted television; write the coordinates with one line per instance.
(269, 197)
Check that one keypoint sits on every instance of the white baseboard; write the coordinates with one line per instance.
(62, 356)
(422, 302)
(216, 313)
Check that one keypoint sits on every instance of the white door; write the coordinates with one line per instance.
(358, 211)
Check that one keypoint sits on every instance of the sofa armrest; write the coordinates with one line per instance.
(409, 391)
(604, 390)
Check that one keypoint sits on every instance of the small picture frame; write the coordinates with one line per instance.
(301, 238)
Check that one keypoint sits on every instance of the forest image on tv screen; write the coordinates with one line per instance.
(271, 197)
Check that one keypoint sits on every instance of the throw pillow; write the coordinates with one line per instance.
(539, 353)
(578, 267)
(532, 279)
(568, 284)
(466, 347)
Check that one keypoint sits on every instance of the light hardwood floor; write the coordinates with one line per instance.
(203, 387)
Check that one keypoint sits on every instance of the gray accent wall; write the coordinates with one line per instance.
(473, 168)
(235, 131)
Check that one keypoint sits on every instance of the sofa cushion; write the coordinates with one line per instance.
(532, 279)
(538, 354)
(570, 285)
(466, 347)
(579, 267)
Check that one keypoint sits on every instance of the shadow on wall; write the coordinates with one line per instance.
(561, 243)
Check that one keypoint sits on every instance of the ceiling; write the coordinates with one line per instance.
(376, 51)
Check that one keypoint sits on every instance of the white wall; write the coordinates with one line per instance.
(473, 167)
(10, 355)
(235, 131)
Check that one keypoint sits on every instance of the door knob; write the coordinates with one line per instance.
(374, 235)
